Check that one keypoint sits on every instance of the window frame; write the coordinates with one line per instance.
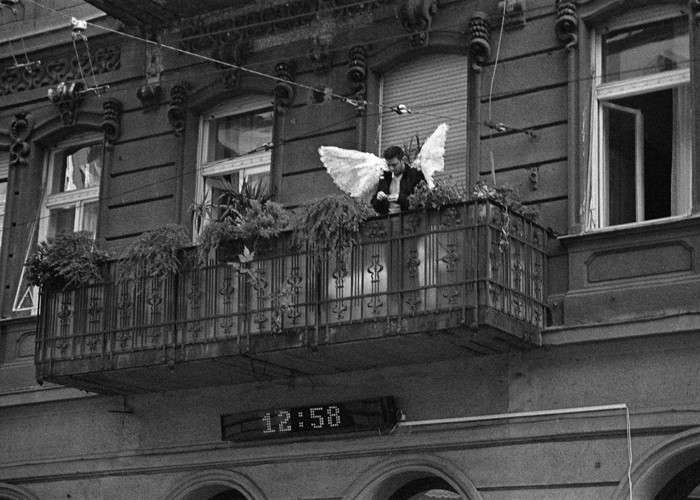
(596, 200)
(251, 164)
(78, 198)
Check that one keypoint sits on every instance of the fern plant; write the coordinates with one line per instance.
(66, 261)
(155, 253)
(331, 224)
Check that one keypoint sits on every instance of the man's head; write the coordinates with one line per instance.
(394, 155)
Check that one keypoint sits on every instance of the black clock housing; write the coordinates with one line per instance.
(375, 414)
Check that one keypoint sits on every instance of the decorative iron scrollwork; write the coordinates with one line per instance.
(417, 16)
(567, 23)
(479, 40)
(20, 130)
(284, 90)
(111, 123)
(177, 111)
(67, 98)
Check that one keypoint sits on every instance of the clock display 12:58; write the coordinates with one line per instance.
(302, 419)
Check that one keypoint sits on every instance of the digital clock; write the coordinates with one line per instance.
(361, 415)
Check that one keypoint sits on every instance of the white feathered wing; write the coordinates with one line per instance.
(354, 172)
(431, 159)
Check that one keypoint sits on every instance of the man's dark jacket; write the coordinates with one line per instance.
(411, 178)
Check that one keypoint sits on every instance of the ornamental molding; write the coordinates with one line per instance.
(51, 72)
(20, 130)
(278, 23)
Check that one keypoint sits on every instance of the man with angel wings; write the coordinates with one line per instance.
(385, 182)
(396, 184)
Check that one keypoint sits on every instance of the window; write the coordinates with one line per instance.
(235, 141)
(434, 88)
(641, 141)
(72, 194)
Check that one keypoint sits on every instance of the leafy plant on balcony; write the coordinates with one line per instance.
(247, 214)
(251, 224)
(506, 196)
(331, 224)
(66, 261)
(155, 253)
(445, 192)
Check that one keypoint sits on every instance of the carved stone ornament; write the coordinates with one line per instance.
(150, 96)
(320, 55)
(417, 16)
(284, 91)
(357, 71)
(479, 40)
(67, 98)
(233, 49)
(20, 130)
(566, 24)
(177, 111)
(111, 123)
(514, 17)
(54, 71)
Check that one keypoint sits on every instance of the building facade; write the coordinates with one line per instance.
(463, 352)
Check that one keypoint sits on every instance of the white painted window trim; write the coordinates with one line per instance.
(251, 164)
(77, 198)
(597, 216)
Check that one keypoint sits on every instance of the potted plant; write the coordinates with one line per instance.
(331, 224)
(155, 253)
(66, 261)
(247, 218)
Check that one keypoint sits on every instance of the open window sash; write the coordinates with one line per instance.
(622, 137)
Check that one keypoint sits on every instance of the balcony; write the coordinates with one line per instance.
(466, 280)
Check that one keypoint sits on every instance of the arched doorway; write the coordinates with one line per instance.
(413, 478)
(426, 488)
(683, 486)
(216, 485)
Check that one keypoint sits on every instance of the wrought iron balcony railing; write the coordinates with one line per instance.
(464, 280)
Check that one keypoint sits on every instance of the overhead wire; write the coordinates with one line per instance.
(382, 108)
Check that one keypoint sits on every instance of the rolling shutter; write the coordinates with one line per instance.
(434, 87)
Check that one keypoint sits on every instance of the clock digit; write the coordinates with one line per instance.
(312, 414)
(267, 419)
(284, 425)
(333, 416)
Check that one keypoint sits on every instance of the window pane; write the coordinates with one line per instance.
(658, 152)
(621, 167)
(61, 220)
(644, 50)
(89, 222)
(81, 169)
(236, 135)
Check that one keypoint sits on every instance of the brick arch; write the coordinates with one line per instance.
(383, 479)
(200, 485)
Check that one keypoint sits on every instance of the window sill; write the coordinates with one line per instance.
(633, 229)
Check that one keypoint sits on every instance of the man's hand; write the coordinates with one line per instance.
(381, 195)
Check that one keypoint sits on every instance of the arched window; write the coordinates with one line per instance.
(434, 88)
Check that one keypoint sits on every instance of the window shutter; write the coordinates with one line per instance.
(435, 89)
